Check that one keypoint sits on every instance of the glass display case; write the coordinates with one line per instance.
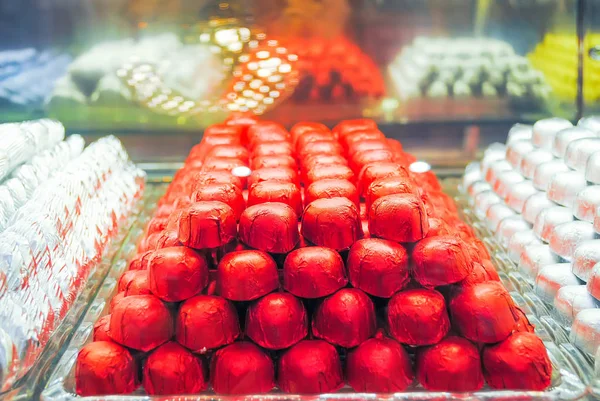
(171, 68)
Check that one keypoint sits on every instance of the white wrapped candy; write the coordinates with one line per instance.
(519, 132)
(516, 151)
(518, 195)
(544, 172)
(533, 159)
(545, 130)
(534, 258)
(550, 218)
(586, 203)
(505, 181)
(551, 278)
(564, 187)
(510, 226)
(518, 242)
(585, 332)
(572, 299)
(579, 151)
(592, 169)
(585, 257)
(496, 213)
(592, 123)
(566, 237)
(566, 136)
(534, 205)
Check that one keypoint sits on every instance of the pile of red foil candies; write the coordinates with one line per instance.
(307, 260)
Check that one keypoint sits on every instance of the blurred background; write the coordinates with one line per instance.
(446, 77)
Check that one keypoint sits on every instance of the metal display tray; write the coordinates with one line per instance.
(572, 370)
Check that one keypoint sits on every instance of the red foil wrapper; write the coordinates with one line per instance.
(207, 224)
(223, 129)
(141, 322)
(304, 127)
(197, 180)
(247, 275)
(395, 145)
(156, 225)
(418, 317)
(361, 159)
(438, 227)
(441, 260)
(520, 362)
(483, 312)
(332, 223)
(324, 147)
(310, 137)
(101, 329)
(104, 367)
(364, 146)
(271, 227)
(172, 369)
(206, 322)
(273, 149)
(378, 267)
(226, 193)
(329, 171)
(389, 186)
(273, 174)
(346, 318)
(398, 217)
(522, 323)
(168, 238)
(313, 272)
(379, 365)
(200, 151)
(350, 140)
(275, 191)
(365, 227)
(229, 152)
(149, 243)
(427, 180)
(482, 271)
(332, 188)
(116, 299)
(452, 365)
(439, 202)
(164, 210)
(276, 321)
(263, 127)
(374, 171)
(267, 137)
(127, 278)
(312, 160)
(138, 283)
(310, 367)
(242, 368)
(277, 161)
(348, 126)
(216, 164)
(177, 273)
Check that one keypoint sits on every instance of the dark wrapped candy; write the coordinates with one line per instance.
(310, 367)
(379, 365)
(389, 186)
(176, 274)
(247, 275)
(441, 260)
(483, 312)
(276, 191)
(333, 223)
(519, 362)
(104, 367)
(207, 224)
(452, 365)
(101, 329)
(226, 193)
(172, 369)
(332, 188)
(206, 322)
(346, 318)
(378, 267)
(276, 321)
(284, 174)
(141, 322)
(418, 317)
(398, 217)
(270, 227)
(242, 368)
(313, 272)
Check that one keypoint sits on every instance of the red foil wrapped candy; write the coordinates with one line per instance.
(388, 186)
(206, 322)
(140, 261)
(310, 367)
(136, 283)
(520, 362)
(101, 329)
(346, 318)
(346, 127)
(441, 261)
(141, 322)
(378, 267)
(313, 272)
(207, 224)
(172, 369)
(104, 367)
(398, 217)
(226, 193)
(246, 275)
(418, 317)
(176, 274)
(270, 227)
(276, 321)
(374, 171)
(332, 188)
(333, 223)
(242, 368)
(276, 191)
(328, 172)
(483, 312)
(379, 365)
(453, 365)
(283, 174)
(482, 271)
(261, 162)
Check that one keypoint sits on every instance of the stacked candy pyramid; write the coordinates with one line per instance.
(540, 196)
(296, 283)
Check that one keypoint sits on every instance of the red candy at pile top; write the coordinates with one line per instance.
(301, 266)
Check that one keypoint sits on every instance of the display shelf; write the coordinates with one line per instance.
(571, 369)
